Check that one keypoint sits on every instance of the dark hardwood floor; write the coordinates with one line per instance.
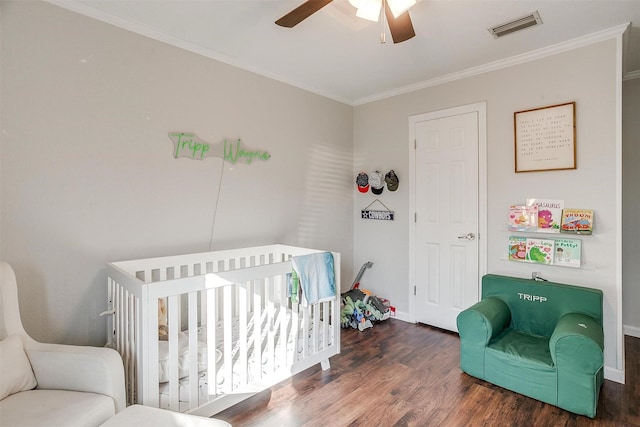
(401, 374)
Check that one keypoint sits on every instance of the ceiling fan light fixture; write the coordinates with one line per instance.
(369, 9)
(401, 27)
(398, 7)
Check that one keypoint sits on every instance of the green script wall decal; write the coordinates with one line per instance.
(187, 144)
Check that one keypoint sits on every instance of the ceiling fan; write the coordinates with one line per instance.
(396, 13)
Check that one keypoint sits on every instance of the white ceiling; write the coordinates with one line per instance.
(335, 54)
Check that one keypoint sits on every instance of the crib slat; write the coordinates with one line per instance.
(257, 329)
(193, 395)
(118, 304)
(173, 363)
(115, 324)
(314, 330)
(227, 340)
(124, 327)
(204, 302)
(295, 329)
(271, 321)
(111, 333)
(243, 335)
(326, 316)
(280, 291)
(211, 316)
(149, 388)
(305, 330)
(132, 343)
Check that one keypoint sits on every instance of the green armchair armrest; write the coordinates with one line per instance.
(577, 350)
(484, 320)
(477, 325)
(577, 344)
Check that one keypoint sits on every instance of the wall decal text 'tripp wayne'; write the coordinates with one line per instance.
(187, 144)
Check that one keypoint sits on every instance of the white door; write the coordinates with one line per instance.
(446, 240)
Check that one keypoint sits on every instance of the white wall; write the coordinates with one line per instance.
(630, 206)
(88, 177)
(587, 76)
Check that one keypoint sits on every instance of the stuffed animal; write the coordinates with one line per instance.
(163, 328)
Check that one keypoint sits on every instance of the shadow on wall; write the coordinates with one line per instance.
(327, 200)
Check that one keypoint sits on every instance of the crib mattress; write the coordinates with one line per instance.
(183, 392)
(184, 357)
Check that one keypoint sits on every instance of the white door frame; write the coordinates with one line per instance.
(481, 109)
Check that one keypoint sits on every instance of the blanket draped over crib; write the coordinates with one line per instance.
(316, 275)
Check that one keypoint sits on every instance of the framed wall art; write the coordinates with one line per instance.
(545, 138)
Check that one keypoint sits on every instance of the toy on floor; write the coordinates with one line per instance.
(362, 309)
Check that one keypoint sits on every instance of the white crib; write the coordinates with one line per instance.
(229, 308)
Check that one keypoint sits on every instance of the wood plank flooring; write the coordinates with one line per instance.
(401, 374)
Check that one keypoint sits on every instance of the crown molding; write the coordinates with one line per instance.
(154, 34)
(503, 63)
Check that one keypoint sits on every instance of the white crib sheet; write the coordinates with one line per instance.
(183, 357)
(183, 392)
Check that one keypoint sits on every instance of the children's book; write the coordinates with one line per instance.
(523, 218)
(539, 251)
(549, 214)
(567, 252)
(517, 248)
(577, 221)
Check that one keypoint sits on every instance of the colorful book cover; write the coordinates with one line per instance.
(539, 251)
(517, 248)
(577, 221)
(567, 252)
(523, 218)
(549, 214)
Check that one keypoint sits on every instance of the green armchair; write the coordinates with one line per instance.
(540, 339)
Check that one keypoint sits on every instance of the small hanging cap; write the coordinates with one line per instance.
(392, 180)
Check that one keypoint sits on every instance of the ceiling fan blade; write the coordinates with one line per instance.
(302, 12)
(401, 27)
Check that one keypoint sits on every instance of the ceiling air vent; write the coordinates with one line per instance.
(516, 25)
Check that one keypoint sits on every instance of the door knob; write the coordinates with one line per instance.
(468, 236)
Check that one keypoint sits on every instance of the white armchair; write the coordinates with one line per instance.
(52, 384)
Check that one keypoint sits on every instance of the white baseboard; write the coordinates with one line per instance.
(632, 331)
(401, 315)
(612, 374)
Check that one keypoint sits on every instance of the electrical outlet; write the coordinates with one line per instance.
(538, 277)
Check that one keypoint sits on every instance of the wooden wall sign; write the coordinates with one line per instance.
(545, 138)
